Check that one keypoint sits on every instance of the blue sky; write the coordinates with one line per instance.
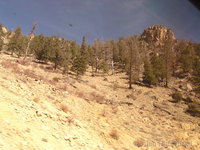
(106, 19)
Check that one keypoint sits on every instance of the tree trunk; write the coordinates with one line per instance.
(112, 65)
(92, 70)
(166, 76)
(96, 69)
(130, 78)
(130, 69)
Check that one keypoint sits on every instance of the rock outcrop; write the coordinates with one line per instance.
(155, 35)
(4, 30)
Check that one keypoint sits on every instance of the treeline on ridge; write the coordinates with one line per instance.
(142, 61)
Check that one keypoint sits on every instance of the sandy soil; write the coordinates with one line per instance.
(42, 109)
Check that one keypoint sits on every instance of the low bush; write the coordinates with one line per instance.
(139, 142)
(36, 99)
(64, 108)
(56, 79)
(114, 134)
(115, 86)
(98, 98)
(177, 97)
(194, 109)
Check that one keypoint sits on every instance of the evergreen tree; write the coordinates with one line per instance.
(97, 46)
(167, 56)
(91, 57)
(1, 44)
(187, 57)
(104, 67)
(83, 51)
(74, 48)
(134, 59)
(56, 55)
(40, 46)
(79, 65)
(1, 31)
(16, 44)
(158, 67)
(149, 78)
(66, 55)
(196, 73)
(123, 53)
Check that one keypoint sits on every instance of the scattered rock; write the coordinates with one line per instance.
(139, 142)
(56, 136)
(105, 79)
(38, 114)
(189, 87)
(70, 137)
(44, 140)
(187, 126)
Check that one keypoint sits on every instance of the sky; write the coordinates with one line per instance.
(105, 19)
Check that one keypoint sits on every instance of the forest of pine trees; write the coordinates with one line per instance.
(175, 58)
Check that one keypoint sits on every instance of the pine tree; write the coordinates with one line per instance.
(167, 56)
(97, 46)
(79, 65)
(1, 31)
(16, 44)
(83, 50)
(66, 55)
(133, 60)
(158, 67)
(74, 49)
(91, 57)
(196, 73)
(1, 44)
(104, 67)
(56, 54)
(187, 58)
(149, 78)
(40, 46)
(123, 53)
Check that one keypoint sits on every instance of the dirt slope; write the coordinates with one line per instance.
(41, 109)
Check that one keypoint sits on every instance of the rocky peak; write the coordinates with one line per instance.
(4, 30)
(157, 34)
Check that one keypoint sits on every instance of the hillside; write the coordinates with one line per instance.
(43, 109)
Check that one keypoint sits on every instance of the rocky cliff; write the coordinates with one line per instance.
(155, 35)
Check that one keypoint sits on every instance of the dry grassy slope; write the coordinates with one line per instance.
(31, 99)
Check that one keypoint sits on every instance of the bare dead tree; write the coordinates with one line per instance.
(31, 36)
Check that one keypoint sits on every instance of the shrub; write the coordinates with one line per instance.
(194, 109)
(31, 73)
(70, 120)
(98, 98)
(64, 108)
(177, 96)
(114, 134)
(115, 86)
(139, 142)
(24, 63)
(104, 67)
(56, 79)
(9, 64)
(80, 94)
(63, 87)
(36, 99)
(104, 113)
(44, 140)
(93, 86)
